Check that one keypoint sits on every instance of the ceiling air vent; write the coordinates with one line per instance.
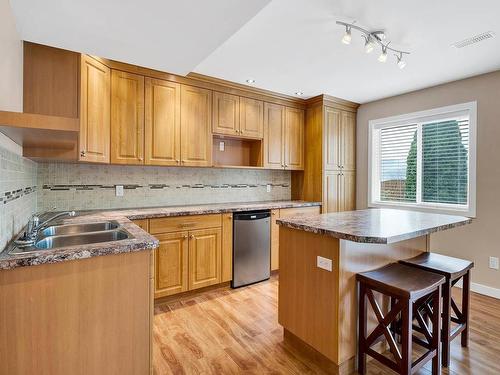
(474, 39)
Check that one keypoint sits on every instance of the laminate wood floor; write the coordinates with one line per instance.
(227, 331)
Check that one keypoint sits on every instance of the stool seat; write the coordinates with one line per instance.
(402, 281)
(449, 267)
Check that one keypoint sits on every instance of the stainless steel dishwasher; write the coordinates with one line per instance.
(251, 247)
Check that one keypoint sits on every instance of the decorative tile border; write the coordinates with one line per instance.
(10, 196)
(158, 186)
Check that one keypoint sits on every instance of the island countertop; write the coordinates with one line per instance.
(378, 225)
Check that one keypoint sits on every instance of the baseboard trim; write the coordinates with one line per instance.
(482, 289)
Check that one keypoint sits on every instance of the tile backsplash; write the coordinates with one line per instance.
(18, 193)
(87, 186)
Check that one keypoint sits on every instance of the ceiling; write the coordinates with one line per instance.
(168, 35)
(285, 45)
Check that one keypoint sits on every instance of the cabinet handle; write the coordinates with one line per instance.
(185, 236)
(177, 161)
(185, 225)
(191, 236)
(82, 153)
(140, 159)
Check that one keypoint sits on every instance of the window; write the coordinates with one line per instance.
(425, 160)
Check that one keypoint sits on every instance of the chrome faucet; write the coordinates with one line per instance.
(34, 225)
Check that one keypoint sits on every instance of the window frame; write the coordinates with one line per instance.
(417, 118)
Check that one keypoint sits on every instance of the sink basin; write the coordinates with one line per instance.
(53, 242)
(69, 229)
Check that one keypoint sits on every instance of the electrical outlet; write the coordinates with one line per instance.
(324, 263)
(268, 188)
(119, 190)
(494, 263)
(222, 146)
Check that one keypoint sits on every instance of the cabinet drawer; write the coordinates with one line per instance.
(299, 211)
(180, 223)
(142, 223)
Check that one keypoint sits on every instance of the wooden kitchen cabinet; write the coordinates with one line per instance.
(196, 130)
(162, 122)
(95, 86)
(204, 257)
(348, 141)
(227, 247)
(340, 139)
(226, 114)
(127, 118)
(340, 191)
(251, 118)
(274, 124)
(171, 264)
(283, 137)
(294, 139)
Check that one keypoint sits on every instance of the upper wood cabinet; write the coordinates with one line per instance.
(196, 130)
(340, 140)
(283, 137)
(162, 122)
(251, 118)
(274, 127)
(127, 118)
(237, 116)
(294, 138)
(204, 257)
(226, 114)
(95, 83)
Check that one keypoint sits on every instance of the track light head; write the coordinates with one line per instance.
(383, 56)
(369, 44)
(401, 63)
(346, 39)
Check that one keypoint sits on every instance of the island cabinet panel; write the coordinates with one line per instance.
(294, 139)
(226, 114)
(127, 118)
(251, 118)
(86, 316)
(274, 123)
(196, 128)
(95, 86)
(162, 122)
(204, 258)
(171, 263)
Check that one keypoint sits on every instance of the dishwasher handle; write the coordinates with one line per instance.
(251, 215)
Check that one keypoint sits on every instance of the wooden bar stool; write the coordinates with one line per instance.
(453, 269)
(409, 288)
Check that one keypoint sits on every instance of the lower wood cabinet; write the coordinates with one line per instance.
(340, 191)
(171, 264)
(204, 258)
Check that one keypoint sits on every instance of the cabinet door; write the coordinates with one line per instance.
(332, 192)
(251, 118)
(171, 264)
(294, 138)
(162, 122)
(332, 120)
(274, 124)
(348, 141)
(275, 240)
(204, 257)
(227, 247)
(127, 118)
(94, 111)
(226, 114)
(196, 130)
(348, 190)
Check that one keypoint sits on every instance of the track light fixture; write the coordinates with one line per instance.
(372, 38)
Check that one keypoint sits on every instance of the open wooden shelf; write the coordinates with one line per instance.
(41, 136)
(238, 153)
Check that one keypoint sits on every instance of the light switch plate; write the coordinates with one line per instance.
(119, 190)
(221, 146)
(268, 188)
(494, 263)
(324, 263)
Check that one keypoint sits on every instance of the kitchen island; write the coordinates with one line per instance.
(319, 258)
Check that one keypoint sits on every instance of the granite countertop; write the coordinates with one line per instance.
(140, 240)
(380, 226)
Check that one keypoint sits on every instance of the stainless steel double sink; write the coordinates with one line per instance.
(56, 236)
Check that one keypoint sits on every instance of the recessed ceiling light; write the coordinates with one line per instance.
(299, 93)
(250, 80)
